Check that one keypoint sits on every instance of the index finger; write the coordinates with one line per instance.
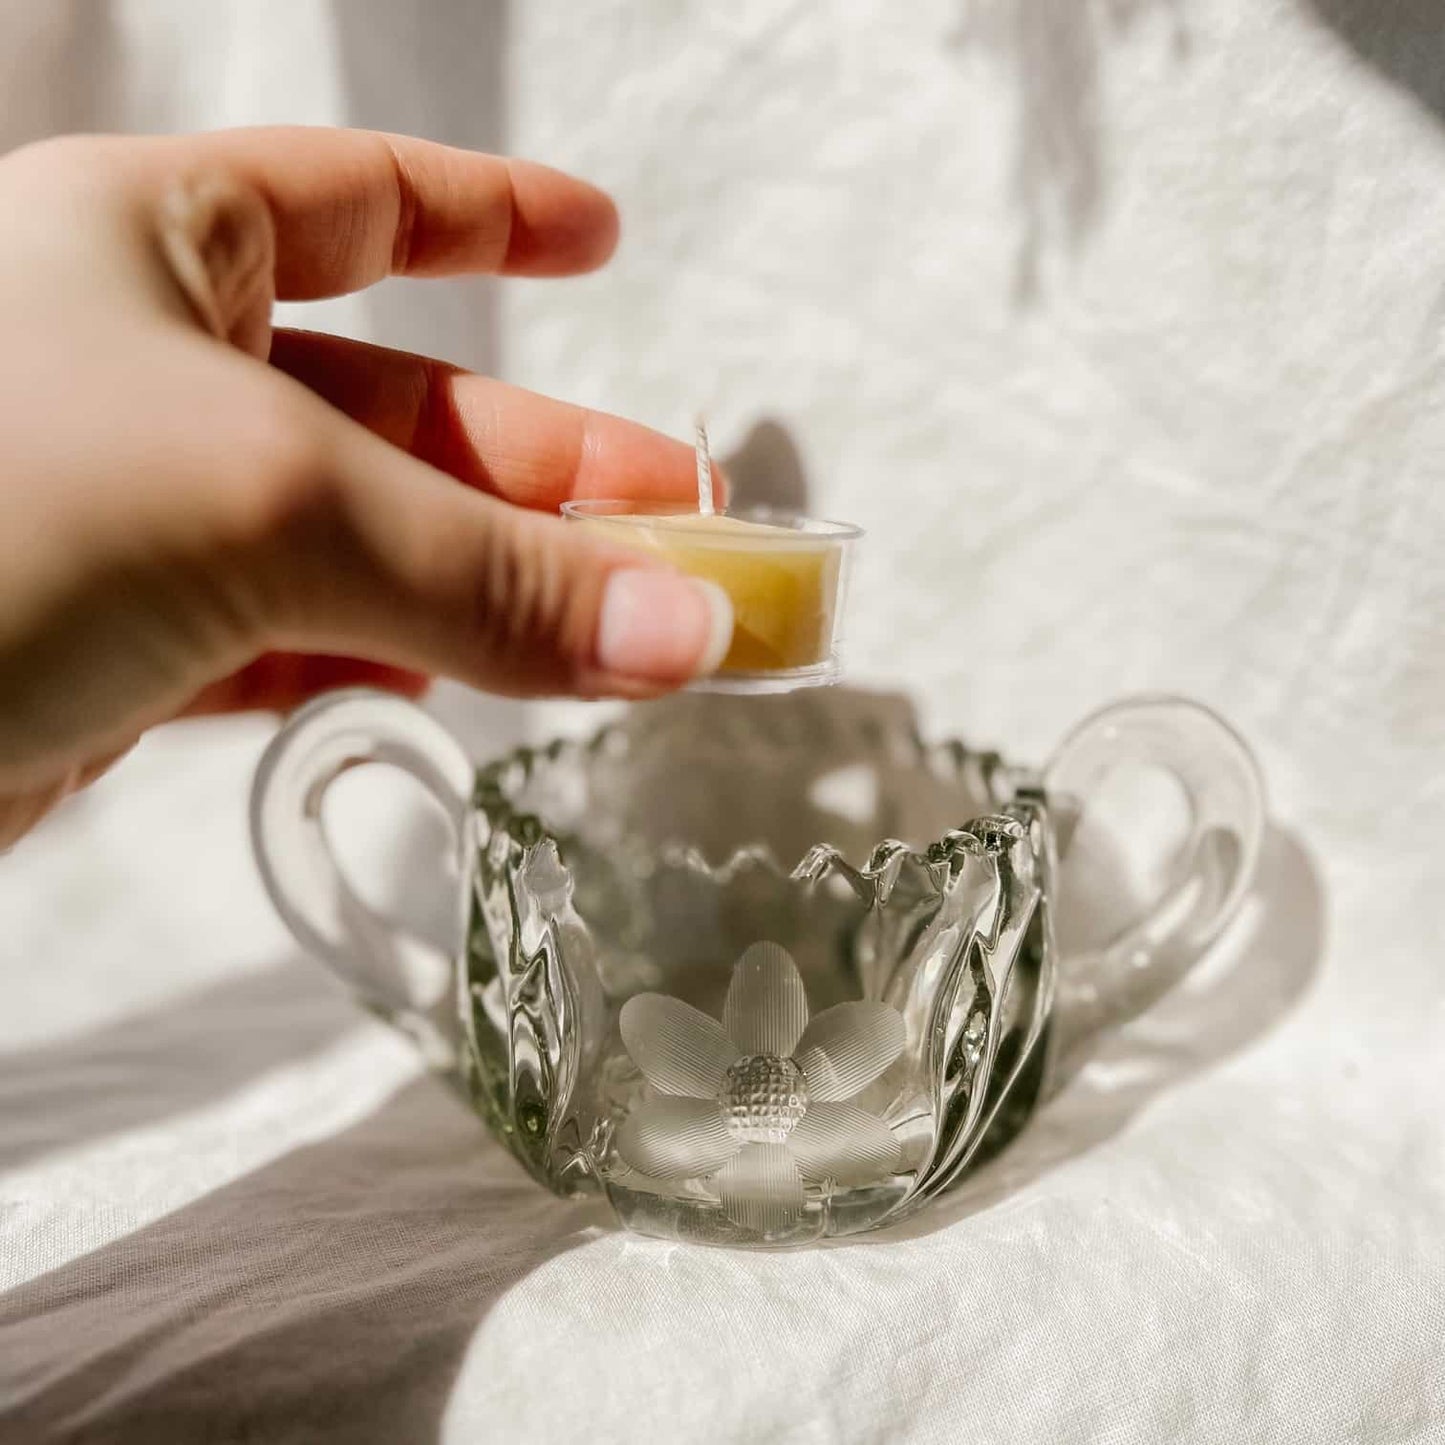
(351, 207)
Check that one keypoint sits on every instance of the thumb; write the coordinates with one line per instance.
(381, 557)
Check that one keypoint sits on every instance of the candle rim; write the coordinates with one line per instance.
(800, 530)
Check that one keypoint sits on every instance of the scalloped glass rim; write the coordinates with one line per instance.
(498, 783)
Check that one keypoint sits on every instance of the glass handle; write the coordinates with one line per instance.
(1210, 873)
(401, 977)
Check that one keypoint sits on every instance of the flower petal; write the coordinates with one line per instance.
(679, 1048)
(847, 1046)
(844, 1143)
(672, 1138)
(767, 1004)
(761, 1189)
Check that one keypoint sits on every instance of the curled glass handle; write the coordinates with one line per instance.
(1210, 873)
(405, 979)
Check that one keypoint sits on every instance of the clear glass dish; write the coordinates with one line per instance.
(757, 970)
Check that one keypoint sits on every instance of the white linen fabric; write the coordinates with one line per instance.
(1119, 327)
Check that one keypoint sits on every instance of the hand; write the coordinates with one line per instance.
(198, 514)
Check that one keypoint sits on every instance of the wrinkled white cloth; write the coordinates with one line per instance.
(1120, 329)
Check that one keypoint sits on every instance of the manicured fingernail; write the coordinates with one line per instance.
(662, 626)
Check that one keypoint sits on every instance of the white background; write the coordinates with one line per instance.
(1119, 326)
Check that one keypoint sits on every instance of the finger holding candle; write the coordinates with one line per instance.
(525, 448)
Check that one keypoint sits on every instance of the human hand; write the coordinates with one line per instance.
(198, 514)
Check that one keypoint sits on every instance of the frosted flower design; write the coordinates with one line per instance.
(760, 1100)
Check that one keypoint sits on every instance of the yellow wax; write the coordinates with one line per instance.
(783, 584)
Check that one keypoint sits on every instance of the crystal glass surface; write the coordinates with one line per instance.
(758, 970)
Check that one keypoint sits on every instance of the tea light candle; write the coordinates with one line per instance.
(783, 584)
(783, 572)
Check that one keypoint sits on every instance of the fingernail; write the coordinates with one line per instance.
(662, 626)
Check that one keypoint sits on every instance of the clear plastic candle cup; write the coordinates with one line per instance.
(784, 572)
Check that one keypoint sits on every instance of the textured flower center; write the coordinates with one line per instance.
(762, 1098)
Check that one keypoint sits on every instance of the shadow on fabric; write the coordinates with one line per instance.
(454, 55)
(766, 469)
(1404, 41)
(191, 1052)
(331, 1294)
(1057, 51)
(60, 69)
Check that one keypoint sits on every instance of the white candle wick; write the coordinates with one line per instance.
(704, 470)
